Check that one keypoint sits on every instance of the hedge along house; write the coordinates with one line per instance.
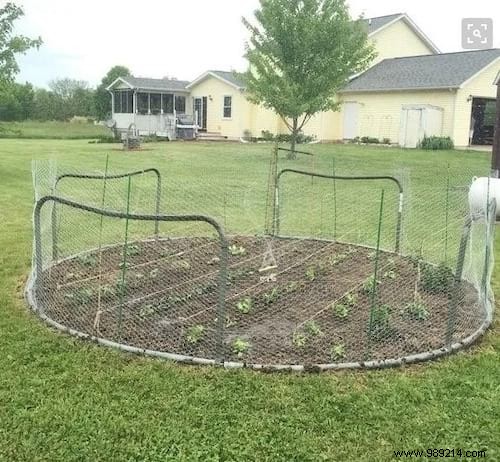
(403, 99)
(153, 106)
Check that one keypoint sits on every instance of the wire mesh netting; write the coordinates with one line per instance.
(312, 263)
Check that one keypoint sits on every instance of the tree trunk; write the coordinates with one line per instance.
(293, 155)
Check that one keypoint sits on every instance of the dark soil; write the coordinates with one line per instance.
(314, 310)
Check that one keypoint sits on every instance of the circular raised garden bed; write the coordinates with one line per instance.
(318, 307)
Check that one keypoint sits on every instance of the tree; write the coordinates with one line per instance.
(12, 45)
(75, 98)
(300, 53)
(102, 96)
(16, 101)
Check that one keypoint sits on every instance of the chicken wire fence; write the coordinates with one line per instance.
(313, 263)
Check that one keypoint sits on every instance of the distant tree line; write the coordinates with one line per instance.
(65, 99)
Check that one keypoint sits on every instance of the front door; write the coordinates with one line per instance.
(200, 113)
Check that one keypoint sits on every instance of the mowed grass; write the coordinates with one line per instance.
(62, 399)
(33, 129)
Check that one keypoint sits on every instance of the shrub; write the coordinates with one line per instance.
(267, 135)
(386, 141)
(434, 143)
(337, 352)
(287, 138)
(369, 140)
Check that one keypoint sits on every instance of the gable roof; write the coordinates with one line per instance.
(142, 83)
(379, 23)
(231, 78)
(374, 24)
(446, 70)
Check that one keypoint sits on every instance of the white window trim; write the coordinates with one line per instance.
(224, 107)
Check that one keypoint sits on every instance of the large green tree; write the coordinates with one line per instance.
(10, 44)
(102, 97)
(300, 53)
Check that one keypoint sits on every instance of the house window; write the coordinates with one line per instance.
(155, 103)
(180, 104)
(124, 101)
(167, 104)
(142, 103)
(228, 107)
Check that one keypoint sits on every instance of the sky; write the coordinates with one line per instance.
(83, 39)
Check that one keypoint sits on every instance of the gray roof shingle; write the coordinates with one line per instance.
(380, 21)
(446, 70)
(156, 84)
(231, 77)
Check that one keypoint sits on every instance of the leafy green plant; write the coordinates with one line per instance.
(390, 274)
(312, 328)
(299, 339)
(133, 250)
(436, 279)
(108, 292)
(337, 351)
(351, 300)
(124, 265)
(311, 273)
(81, 296)
(236, 250)
(291, 287)
(87, 260)
(121, 286)
(195, 333)
(240, 347)
(417, 310)
(380, 317)
(434, 143)
(370, 285)
(146, 311)
(271, 296)
(341, 310)
(244, 305)
(369, 140)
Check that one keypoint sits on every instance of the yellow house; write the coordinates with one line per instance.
(410, 91)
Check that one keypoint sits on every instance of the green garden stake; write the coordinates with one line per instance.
(124, 263)
(446, 215)
(334, 201)
(374, 292)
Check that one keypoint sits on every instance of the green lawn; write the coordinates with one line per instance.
(65, 400)
(32, 129)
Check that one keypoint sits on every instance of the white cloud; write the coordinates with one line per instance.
(83, 39)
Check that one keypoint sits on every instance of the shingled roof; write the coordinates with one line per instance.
(156, 84)
(446, 70)
(377, 23)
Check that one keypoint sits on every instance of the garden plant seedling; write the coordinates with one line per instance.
(83, 295)
(299, 339)
(311, 273)
(108, 292)
(244, 305)
(236, 250)
(312, 328)
(133, 250)
(341, 310)
(370, 285)
(240, 347)
(380, 321)
(272, 296)
(417, 310)
(436, 279)
(337, 352)
(146, 311)
(195, 333)
(153, 274)
(87, 260)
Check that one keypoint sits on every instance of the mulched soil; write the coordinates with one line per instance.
(169, 297)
